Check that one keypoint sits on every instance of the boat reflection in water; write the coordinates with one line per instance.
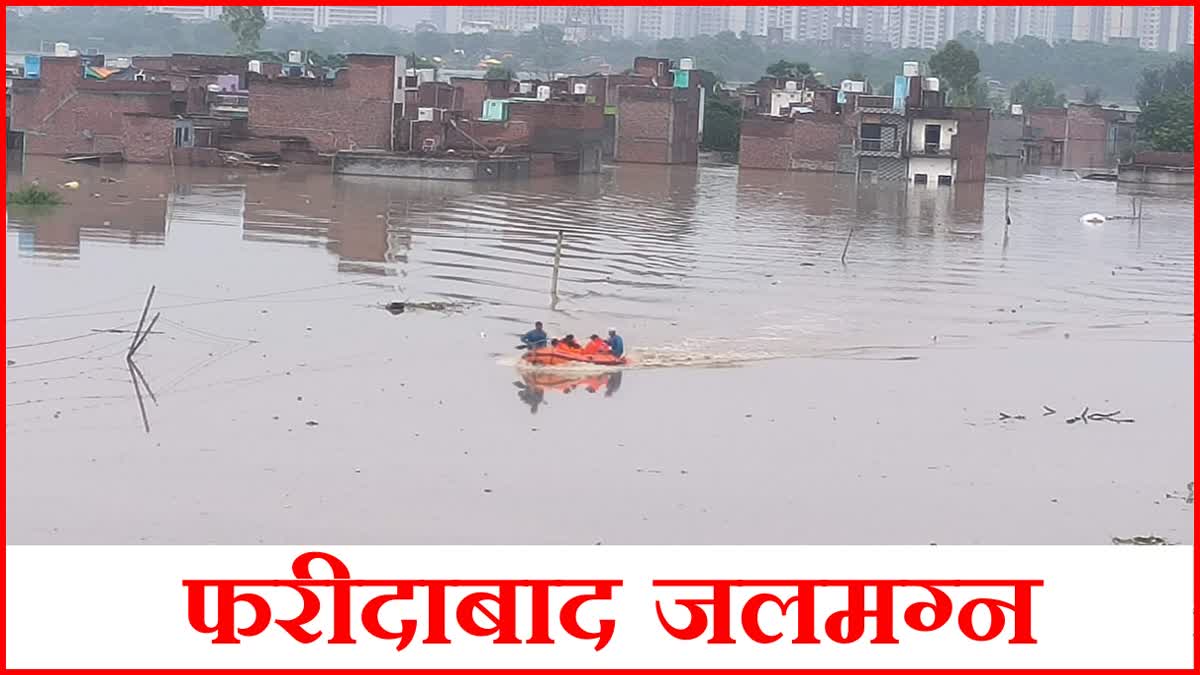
(534, 384)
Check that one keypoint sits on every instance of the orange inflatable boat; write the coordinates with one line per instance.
(560, 355)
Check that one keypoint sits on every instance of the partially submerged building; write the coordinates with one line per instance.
(194, 108)
(1079, 136)
(912, 135)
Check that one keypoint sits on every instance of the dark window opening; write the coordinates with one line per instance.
(933, 138)
(920, 179)
(944, 180)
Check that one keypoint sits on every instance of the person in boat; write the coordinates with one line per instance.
(615, 343)
(535, 338)
(596, 346)
(569, 342)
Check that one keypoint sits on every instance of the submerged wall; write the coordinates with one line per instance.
(431, 168)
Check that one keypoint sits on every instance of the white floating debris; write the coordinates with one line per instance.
(1092, 219)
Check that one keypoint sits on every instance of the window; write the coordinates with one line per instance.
(944, 179)
(933, 138)
(920, 179)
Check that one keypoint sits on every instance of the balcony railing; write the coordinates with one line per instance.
(931, 150)
(878, 146)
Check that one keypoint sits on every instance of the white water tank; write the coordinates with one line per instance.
(911, 69)
(686, 64)
(62, 49)
(790, 85)
(543, 93)
(1017, 109)
(525, 87)
(932, 84)
(254, 66)
(581, 88)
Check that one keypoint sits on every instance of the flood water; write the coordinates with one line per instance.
(777, 395)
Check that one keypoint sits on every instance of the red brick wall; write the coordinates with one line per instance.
(148, 139)
(1087, 137)
(513, 135)
(657, 125)
(806, 143)
(201, 63)
(65, 114)
(969, 146)
(541, 164)
(476, 90)
(352, 112)
(1165, 158)
(652, 67)
(561, 115)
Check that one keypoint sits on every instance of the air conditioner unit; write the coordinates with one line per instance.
(424, 114)
(295, 56)
(686, 64)
(932, 84)
(912, 69)
(790, 85)
(580, 88)
(525, 87)
(543, 93)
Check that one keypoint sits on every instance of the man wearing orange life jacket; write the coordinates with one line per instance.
(596, 346)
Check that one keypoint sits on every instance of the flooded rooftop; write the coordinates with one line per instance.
(921, 391)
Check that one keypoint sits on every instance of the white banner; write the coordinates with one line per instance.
(750, 607)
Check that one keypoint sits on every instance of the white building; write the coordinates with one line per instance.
(190, 12)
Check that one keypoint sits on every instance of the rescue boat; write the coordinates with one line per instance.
(560, 356)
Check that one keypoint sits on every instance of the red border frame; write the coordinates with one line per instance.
(557, 671)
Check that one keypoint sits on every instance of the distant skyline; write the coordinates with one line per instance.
(1158, 28)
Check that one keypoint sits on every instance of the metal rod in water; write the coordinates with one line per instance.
(1007, 219)
(557, 261)
(141, 322)
(146, 334)
(846, 247)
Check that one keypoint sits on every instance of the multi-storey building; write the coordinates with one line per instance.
(190, 12)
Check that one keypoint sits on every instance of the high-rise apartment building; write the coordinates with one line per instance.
(925, 27)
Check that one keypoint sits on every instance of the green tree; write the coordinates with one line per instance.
(1173, 79)
(789, 70)
(499, 73)
(1166, 123)
(246, 24)
(722, 124)
(1037, 92)
(545, 50)
(959, 67)
(1166, 96)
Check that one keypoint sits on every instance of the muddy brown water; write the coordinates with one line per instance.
(777, 396)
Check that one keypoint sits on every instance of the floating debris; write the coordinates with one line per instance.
(1150, 540)
(1190, 498)
(1006, 416)
(1047, 410)
(400, 307)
